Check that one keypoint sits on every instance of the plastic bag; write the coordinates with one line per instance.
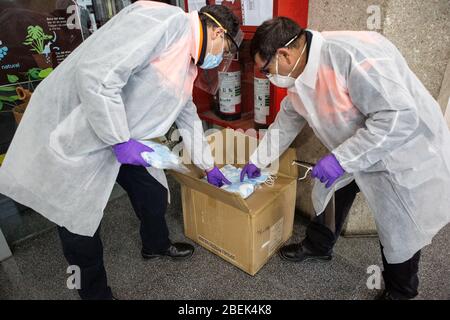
(163, 158)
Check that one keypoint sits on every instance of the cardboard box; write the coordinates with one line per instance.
(246, 232)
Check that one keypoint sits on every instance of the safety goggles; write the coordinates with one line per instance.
(264, 70)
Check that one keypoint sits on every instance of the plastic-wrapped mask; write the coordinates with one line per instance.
(245, 188)
(162, 157)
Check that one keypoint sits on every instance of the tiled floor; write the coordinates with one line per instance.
(38, 268)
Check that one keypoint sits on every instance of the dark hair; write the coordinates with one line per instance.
(224, 15)
(272, 35)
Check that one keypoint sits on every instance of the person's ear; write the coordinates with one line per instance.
(285, 55)
(216, 32)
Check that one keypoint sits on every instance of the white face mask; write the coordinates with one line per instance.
(285, 81)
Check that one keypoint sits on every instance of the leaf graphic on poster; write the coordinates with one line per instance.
(33, 73)
(35, 32)
(9, 99)
(7, 89)
(12, 78)
(45, 73)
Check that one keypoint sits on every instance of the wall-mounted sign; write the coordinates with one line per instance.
(35, 37)
(249, 12)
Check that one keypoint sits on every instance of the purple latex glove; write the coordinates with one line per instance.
(216, 177)
(251, 171)
(328, 170)
(130, 153)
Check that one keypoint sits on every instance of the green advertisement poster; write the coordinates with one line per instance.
(36, 36)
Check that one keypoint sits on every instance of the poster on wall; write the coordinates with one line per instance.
(195, 5)
(35, 37)
(250, 12)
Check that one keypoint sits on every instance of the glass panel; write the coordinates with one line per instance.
(35, 37)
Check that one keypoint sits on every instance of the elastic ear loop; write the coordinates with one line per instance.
(308, 169)
(270, 181)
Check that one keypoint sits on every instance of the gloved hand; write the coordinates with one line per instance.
(130, 153)
(251, 171)
(216, 177)
(328, 170)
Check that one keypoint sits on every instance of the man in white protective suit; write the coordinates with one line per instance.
(386, 135)
(129, 81)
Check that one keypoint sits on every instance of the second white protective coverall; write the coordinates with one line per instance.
(132, 78)
(369, 109)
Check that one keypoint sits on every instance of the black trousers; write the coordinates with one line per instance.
(149, 200)
(400, 279)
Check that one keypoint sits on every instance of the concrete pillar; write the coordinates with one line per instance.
(5, 252)
(444, 95)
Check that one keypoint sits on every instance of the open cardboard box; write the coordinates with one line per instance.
(244, 232)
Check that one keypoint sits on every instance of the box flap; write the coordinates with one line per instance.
(235, 149)
(265, 195)
(262, 196)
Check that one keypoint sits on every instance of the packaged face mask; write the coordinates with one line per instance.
(242, 188)
(162, 157)
(245, 188)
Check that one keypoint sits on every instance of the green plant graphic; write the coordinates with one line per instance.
(36, 39)
(9, 100)
(45, 73)
(7, 93)
(38, 73)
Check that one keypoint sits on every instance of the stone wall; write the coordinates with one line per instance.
(421, 31)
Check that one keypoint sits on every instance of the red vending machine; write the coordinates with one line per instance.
(245, 98)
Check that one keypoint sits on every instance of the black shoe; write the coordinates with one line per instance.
(297, 252)
(388, 295)
(385, 295)
(177, 251)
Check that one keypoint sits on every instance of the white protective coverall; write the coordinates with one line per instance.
(132, 78)
(369, 109)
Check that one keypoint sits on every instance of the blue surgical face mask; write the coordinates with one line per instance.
(213, 61)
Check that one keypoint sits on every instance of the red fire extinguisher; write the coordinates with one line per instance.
(230, 92)
(261, 100)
